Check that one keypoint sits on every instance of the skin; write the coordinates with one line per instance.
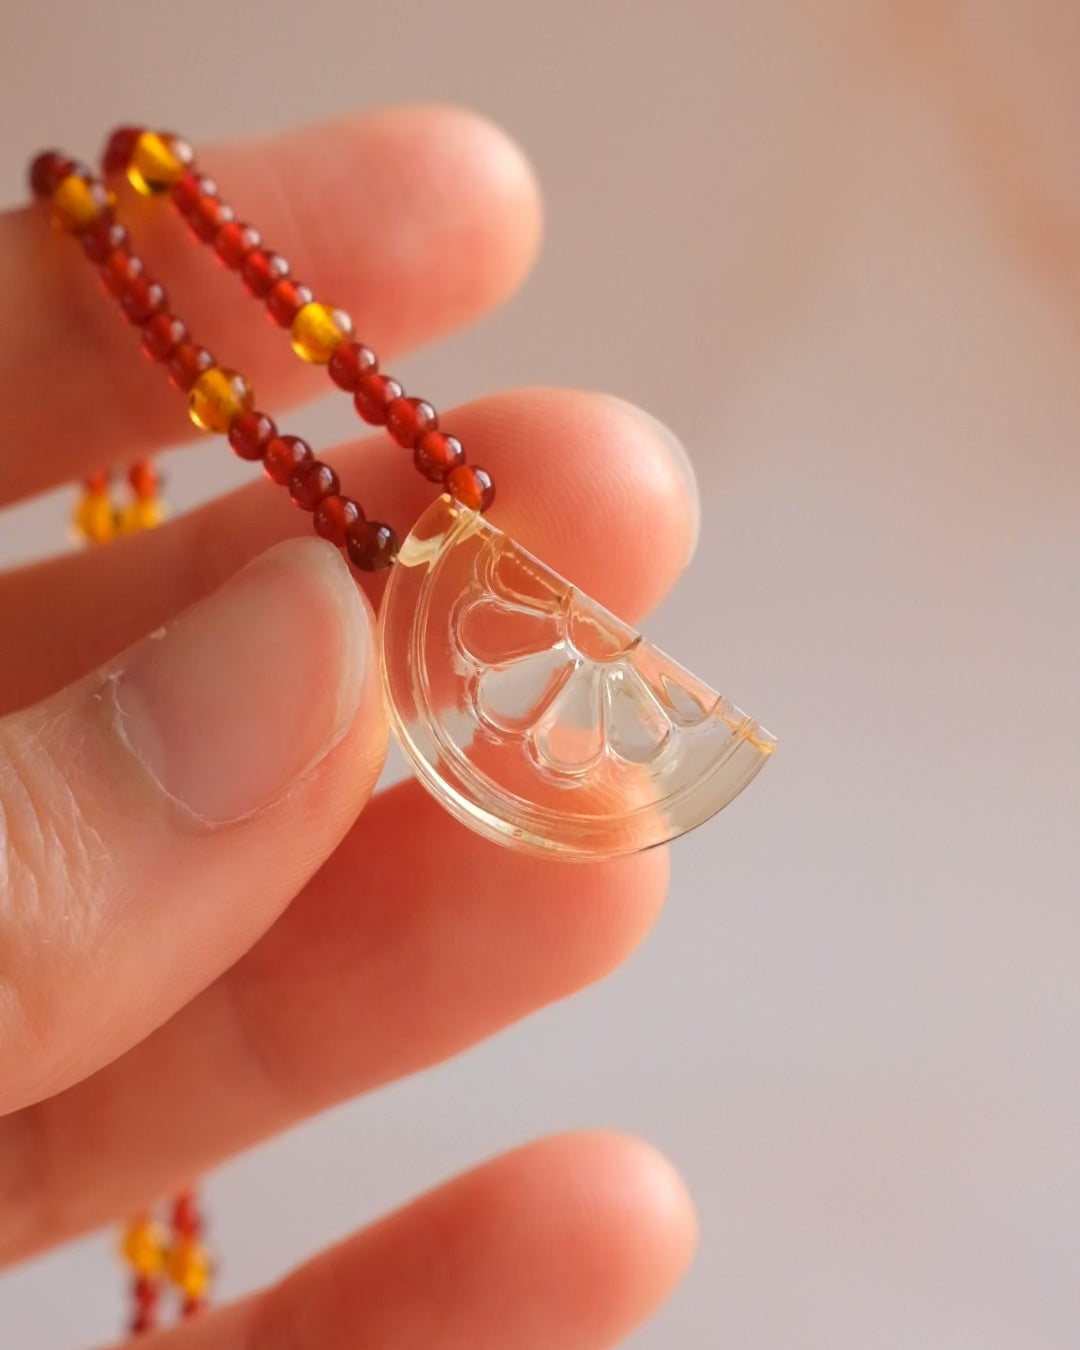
(209, 930)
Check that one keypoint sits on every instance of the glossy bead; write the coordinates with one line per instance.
(189, 1267)
(47, 171)
(436, 454)
(373, 396)
(471, 486)
(251, 433)
(189, 188)
(187, 363)
(105, 237)
(144, 479)
(261, 271)
(349, 363)
(207, 216)
(285, 300)
(142, 298)
(119, 269)
(162, 335)
(334, 515)
(141, 514)
(116, 156)
(144, 1247)
(318, 330)
(95, 519)
(186, 1220)
(157, 162)
(311, 483)
(371, 545)
(235, 241)
(218, 396)
(283, 456)
(79, 201)
(408, 418)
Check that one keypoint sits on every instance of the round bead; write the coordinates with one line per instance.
(311, 483)
(162, 335)
(79, 201)
(189, 187)
(283, 456)
(436, 454)
(188, 362)
(235, 241)
(47, 172)
(408, 418)
(218, 396)
(104, 237)
(318, 330)
(261, 271)
(251, 433)
(144, 1247)
(116, 156)
(207, 216)
(119, 270)
(471, 486)
(371, 545)
(95, 518)
(142, 298)
(349, 363)
(285, 301)
(157, 162)
(189, 1267)
(334, 515)
(373, 396)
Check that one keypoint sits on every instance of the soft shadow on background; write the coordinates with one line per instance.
(836, 246)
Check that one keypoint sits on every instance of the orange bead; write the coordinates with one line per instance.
(78, 202)
(471, 486)
(188, 1267)
(157, 162)
(144, 1247)
(318, 330)
(217, 397)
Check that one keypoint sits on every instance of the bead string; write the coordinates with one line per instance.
(159, 1256)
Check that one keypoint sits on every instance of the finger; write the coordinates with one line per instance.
(416, 220)
(156, 817)
(416, 939)
(596, 488)
(571, 1242)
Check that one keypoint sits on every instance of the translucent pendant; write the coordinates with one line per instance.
(537, 717)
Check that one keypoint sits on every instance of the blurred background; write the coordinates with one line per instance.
(836, 246)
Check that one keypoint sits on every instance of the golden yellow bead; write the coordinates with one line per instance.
(188, 1267)
(154, 165)
(95, 519)
(217, 397)
(144, 1247)
(317, 330)
(78, 202)
(144, 513)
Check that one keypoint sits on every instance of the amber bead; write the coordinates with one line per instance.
(186, 1221)
(119, 270)
(162, 335)
(116, 156)
(144, 479)
(207, 216)
(79, 201)
(218, 396)
(334, 515)
(373, 396)
(47, 171)
(95, 517)
(189, 1267)
(144, 1247)
(157, 161)
(283, 456)
(436, 454)
(408, 418)
(142, 298)
(261, 271)
(142, 514)
(235, 241)
(471, 486)
(189, 188)
(187, 363)
(311, 483)
(349, 363)
(251, 433)
(371, 545)
(285, 301)
(105, 237)
(318, 330)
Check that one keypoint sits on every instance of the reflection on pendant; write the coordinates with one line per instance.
(537, 717)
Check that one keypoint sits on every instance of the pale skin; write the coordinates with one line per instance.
(210, 928)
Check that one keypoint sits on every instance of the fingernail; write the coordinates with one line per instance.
(248, 690)
(683, 466)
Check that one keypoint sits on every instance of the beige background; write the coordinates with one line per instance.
(836, 245)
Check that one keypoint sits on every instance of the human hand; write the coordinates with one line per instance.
(209, 928)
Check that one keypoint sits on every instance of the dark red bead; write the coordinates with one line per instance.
(349, 363)
(374, 394)
(142, 298)
(436, 454)
(334, 515)
(471, 486)
(371, 545)
(235, 241)
(162, 335)
(188, 362)
(408, 418)
(262, 270)
(103, 238)
(251, 433)
(145, 1294)
(191, 1306)
(311, 483)
(190, 188)
(119, 269)
(208, 216)
(47, 170)
(186, 1221)
(285, 301)
(117, 153)
(283, 456)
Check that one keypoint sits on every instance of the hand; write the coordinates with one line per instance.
(209, 928)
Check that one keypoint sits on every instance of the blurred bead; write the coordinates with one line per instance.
(318, 330)
(261, 271)
(349, 363)
(187, 363)
(79, 201)
(191, 1306)
(188, 1267)
(235, 241)
(186, 1220)
(47, 172)
(436, 454)
(120, 268)
(371, 545)
(94, 519)
(162, 335)
(334, 515)
(471, 486)
(145, 1293)
(116, 156)
(217, 397)
(142, 298)
(208, 216)
(251, 433)
(311, 483)
(283, 456)
(157, 162)
(144, 479)
(141, 1324)
(408, 418)
(373, 396)
(97, 482)
(189, 188)
(144, 1247)
(104, 237)
(285, 301)
(142, 514)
